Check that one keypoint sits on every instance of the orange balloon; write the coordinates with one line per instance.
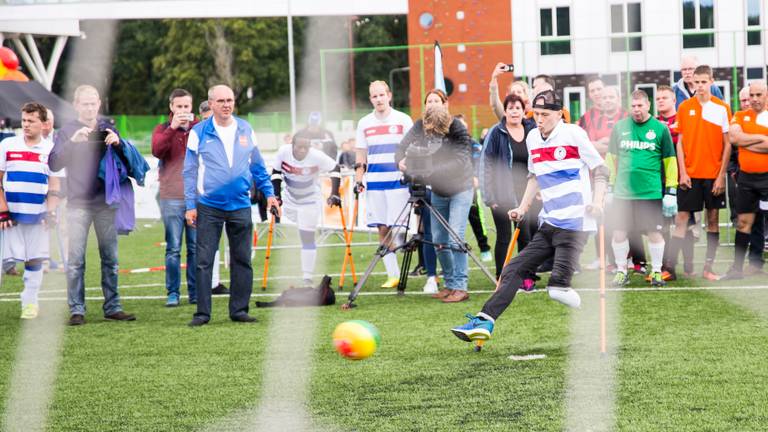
(14, 75)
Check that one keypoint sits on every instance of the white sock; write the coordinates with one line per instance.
(657, 255)
(486, 317)
(308, 257)
(620, 252)
(390, 263)
(32, 281)
(215, 279)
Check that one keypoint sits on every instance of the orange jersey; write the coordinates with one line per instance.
(702, 128)
(752, 123)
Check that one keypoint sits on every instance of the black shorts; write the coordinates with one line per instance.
(636, 215)
(699, 196)
(751, 189)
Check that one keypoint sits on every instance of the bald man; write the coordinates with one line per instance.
(684, 87)
(223, 150)
(749, 132)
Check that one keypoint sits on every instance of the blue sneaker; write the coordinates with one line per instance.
(476, 329)
(173, 300)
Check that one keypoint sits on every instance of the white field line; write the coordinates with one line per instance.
(274, 278)
(343, 294)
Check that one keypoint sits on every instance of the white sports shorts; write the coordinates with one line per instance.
(384, 207)
(25, 242)
(306, 217)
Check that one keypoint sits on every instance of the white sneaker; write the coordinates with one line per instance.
(566, 296)
(431, 286)
(29, 311)
(594, 265)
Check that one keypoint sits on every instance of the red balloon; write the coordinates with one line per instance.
(9, 59)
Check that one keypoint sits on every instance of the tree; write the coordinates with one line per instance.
(377, 31)
(242, 53)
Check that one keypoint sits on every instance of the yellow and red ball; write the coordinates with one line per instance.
(356, 339)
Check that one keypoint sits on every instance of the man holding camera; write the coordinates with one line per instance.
(169, 145)
(79, 147)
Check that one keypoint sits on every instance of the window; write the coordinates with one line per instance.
(698, 23)
(650, 90)
(574, 101)
(555, 30)
(753, 22)
(626, 27)
(754, 73)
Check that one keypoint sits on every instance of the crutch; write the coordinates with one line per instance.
(601, 235)
(348, 241)
(511, 247)
(273, 210)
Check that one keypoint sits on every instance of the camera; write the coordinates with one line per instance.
(97, 136)
(420, 164)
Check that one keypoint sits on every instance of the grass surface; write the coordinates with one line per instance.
(688, 360)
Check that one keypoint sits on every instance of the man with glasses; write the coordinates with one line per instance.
(684, 88)
(223, 151)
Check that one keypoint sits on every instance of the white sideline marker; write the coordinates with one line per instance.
(527, 357)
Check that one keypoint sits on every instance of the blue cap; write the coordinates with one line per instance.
(315, 118)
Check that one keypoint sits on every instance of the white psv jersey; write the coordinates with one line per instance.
(300, 177)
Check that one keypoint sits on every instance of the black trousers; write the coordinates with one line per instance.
(566, 247)
(476, 222)
(210, 222)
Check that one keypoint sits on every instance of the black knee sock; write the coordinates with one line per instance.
(688, 252)
(713, 241)
(742, 241)
(674, 246)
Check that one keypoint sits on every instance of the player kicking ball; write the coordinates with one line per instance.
(640, 149)
(300, 166)
(559, 164)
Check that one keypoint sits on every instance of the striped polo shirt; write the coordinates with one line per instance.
(561, 164)
(25, 178)
(301, 176)
(381, 138)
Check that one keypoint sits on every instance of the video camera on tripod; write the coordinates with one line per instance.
(420, 165)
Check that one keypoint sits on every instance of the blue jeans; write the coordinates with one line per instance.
(210, 223)
(79, 221)
(455, 209)
(172, 212)
(430, 257)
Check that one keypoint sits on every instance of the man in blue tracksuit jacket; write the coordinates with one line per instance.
(221, 162)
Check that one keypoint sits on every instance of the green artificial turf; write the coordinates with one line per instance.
(688, 360)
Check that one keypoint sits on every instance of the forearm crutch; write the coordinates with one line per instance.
(601, 238)
(269, 248)
(348, 251)
(511, 247)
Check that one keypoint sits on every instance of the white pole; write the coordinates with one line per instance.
(291, 68)
(53, 63)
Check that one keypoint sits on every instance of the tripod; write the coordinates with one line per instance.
(418, 198)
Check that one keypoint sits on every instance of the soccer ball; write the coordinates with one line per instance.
(356, 340)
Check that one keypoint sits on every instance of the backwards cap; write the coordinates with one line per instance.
(548, 100)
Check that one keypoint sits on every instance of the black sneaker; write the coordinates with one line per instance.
(243, 318)
(120, 316)
(220, 290)
(76, 320)
(418, 271)
(197, 322)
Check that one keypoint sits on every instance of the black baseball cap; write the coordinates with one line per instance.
(549, 100)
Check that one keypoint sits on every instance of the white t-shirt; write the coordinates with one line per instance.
(381, 137)
(301, 176)
(227, 135)
(561, 164)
